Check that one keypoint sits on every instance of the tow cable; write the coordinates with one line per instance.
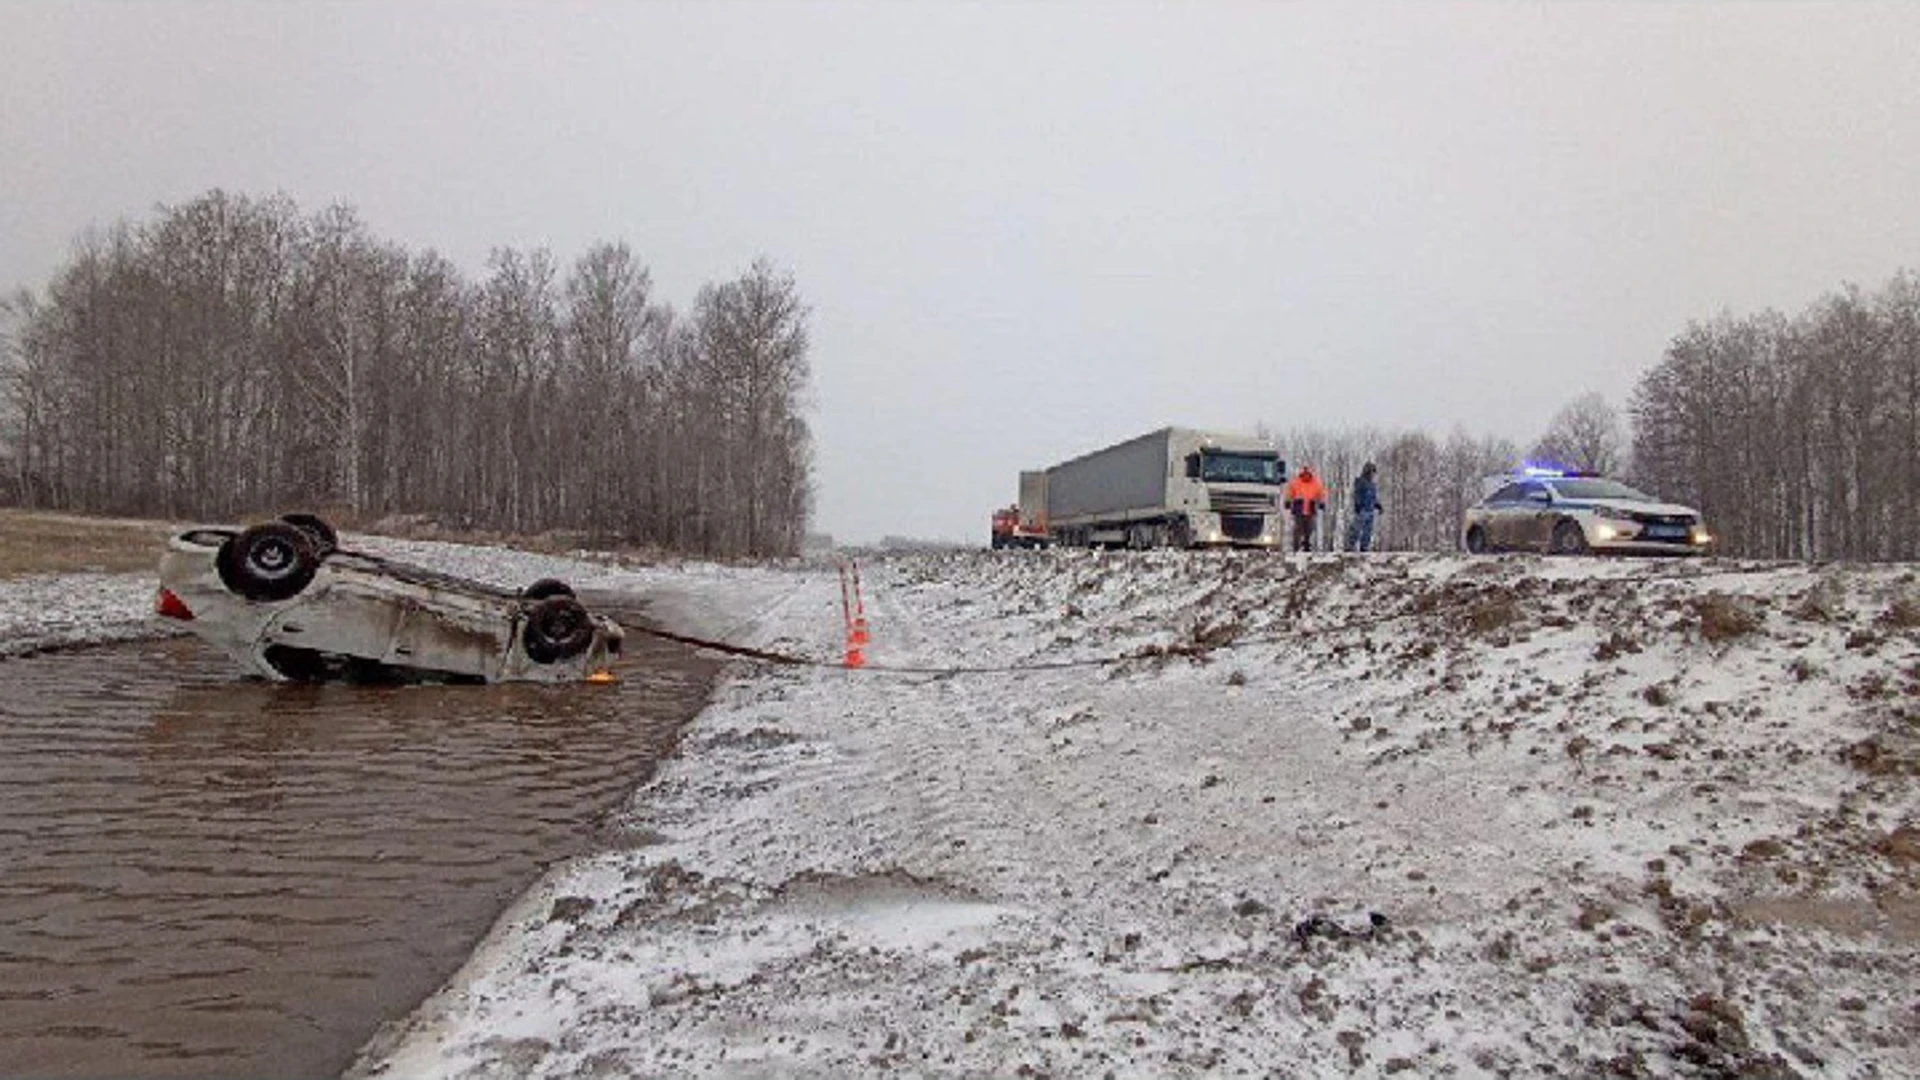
(1145, 652)
(790, 660)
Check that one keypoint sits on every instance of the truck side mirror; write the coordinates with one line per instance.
(1193, 466)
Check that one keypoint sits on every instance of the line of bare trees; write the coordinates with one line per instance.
(1425, 483)
(235, 356)
(1797, 437)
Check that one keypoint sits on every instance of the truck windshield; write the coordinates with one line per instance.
(1240, 468)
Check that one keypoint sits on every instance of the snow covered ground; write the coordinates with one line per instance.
(1415, 815)
(51, 611)
(1398, 814)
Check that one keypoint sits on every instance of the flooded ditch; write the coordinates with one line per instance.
(202, 876)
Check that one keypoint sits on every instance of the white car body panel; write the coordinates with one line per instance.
(362, 609)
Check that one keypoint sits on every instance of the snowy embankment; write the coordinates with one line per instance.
(1397, 814)
(53, 611)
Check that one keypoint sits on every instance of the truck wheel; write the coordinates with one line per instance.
(1569, 539)
(1477, 541)
(268, 562)
(557, 627)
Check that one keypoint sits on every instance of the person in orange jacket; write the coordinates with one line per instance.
(1306, 497)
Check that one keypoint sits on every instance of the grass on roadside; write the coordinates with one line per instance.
(33, 542)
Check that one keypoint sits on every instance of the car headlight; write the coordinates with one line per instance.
(1608, 513)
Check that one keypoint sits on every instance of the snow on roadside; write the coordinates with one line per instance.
(51, 611)
(1420, 815)
(694, 597)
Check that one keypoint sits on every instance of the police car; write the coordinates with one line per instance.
(1571, 513)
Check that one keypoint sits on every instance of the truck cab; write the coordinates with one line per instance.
(1013, 528)
(1236, 499)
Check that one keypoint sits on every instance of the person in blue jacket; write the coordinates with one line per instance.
(1366, 504)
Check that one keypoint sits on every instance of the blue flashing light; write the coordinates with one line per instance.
(1528, 468)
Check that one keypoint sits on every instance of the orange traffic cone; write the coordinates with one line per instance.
(853, 613)
(858, 632)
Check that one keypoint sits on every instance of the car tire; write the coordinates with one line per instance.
(1477, 541)
(546, 587)
(325, 540)
(1568, 539)
(557, 627)
(268, 562)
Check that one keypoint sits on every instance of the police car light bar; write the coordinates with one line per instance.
(1552, 472)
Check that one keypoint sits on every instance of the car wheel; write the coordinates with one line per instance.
(325, 540)
(268, 562)
(1569, 539)
(1477, 540)
(546, 587)
(557, 627)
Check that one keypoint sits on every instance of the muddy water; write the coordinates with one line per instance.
(212, 878)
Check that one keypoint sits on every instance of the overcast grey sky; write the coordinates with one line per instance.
(1029, 230)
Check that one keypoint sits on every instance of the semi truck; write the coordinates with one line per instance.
(1175, 487)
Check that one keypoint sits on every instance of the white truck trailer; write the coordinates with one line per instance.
(1173, 487)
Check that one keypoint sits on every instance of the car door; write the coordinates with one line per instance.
(1499, 511)
(1533, 518)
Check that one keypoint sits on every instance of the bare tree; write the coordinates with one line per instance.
(608, 316)
(1585, 434)
(17, 402)
(234, 356)
(751, 348)
(1796, 437)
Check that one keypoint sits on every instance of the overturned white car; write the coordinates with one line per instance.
(289, 604)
